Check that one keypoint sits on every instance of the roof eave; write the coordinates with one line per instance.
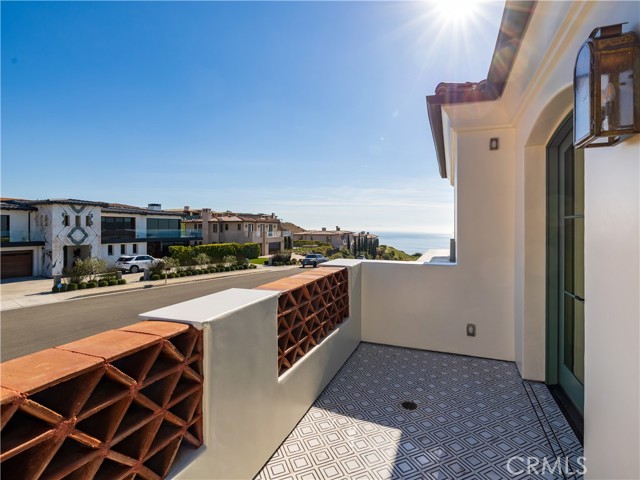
(515, 19)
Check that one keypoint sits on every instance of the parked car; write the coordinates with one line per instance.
(313, 259)
(135, 263)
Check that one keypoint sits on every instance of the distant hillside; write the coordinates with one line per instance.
(292, 227)
(385, 252)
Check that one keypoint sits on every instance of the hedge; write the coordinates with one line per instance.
(216, 252)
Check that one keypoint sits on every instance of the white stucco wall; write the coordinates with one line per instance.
(428, 306)
(110, 259)
(60, 233)
(249, 410)
(18, 225)
(612, 311)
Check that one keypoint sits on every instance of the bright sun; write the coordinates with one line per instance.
(455, 11)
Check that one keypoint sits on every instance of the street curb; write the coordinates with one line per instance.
(149, 284)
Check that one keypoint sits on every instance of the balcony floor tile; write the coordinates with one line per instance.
(472, 416)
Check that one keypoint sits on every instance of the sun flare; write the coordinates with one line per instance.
(455, 11)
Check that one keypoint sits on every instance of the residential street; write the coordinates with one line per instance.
(27, 330)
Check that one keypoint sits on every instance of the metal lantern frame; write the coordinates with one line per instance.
(620, 49)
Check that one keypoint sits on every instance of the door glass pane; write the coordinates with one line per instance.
(574, 336)
(573, 182)
(578, 182)
(574, 256)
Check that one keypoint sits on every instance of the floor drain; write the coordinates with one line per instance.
(407, 405)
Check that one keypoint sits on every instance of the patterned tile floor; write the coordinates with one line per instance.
(472, 415)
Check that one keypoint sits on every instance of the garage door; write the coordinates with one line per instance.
(16, 264)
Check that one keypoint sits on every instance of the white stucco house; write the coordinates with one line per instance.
(233, 227)
(44, 237)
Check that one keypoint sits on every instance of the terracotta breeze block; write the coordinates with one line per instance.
(310, 306)
(116, 405)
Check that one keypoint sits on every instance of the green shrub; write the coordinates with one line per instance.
(72, 287)
(155, 277)
(113, 281)
(171, 275)
(252, 266)
(122, 281)
(182, 274)
(215, 252)
(82, 285)
(92, 284)
(103, 283)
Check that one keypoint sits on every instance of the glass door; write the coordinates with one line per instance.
(566, 297)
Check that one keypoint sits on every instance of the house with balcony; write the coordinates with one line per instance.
(130, 230)
(230, 227)
(521, 359)
(44, 237)
(337, 238)
(21, 244)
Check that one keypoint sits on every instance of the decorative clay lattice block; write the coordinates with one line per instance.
(310, 306)
(117, 405)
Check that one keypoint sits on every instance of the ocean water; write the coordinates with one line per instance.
(412, 243)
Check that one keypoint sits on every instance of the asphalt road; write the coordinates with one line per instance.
(28, 330)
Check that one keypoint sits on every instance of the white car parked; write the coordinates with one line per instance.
(135, 263)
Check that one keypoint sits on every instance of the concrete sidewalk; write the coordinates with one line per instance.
(29, 292)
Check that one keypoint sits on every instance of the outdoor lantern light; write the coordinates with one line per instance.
(606, 88)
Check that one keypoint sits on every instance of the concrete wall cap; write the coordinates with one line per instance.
(203, 310)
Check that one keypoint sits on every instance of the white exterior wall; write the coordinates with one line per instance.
(242, 389)
(537, 98)
(612, 311)
(60, 233)
(111, 259)
(18, 225)
(428, 306)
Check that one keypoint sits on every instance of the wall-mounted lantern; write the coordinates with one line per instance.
(606, 88)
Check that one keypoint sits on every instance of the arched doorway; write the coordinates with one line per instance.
(565, 270)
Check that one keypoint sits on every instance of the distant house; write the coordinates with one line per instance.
(43, 237)
(224, 227)
(337, 238)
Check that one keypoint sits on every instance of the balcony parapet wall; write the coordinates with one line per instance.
(115, 405)
(250, 406)
(310, 306)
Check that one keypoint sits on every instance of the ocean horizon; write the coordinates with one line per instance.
(414, 242)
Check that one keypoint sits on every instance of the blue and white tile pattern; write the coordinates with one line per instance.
(472, 416)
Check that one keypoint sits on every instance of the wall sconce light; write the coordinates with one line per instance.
(606, 88)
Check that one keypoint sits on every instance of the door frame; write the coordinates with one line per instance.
(555, 266)
(553, 252)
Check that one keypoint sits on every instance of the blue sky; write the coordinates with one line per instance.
(312, 110)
